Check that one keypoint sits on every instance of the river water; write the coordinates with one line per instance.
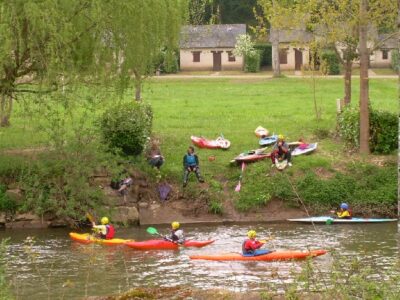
(54, 267)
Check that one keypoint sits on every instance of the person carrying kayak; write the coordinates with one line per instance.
(251, 246)
(105, 231)
(281, 151)
(176, 236)
(344, 212)
(191, 164)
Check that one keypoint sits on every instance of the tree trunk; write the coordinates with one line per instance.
(364, 87)
(348, 65)
(276, 67)
(138, 86)
(5, 110)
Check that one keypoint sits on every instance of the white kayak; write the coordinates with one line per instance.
(328, 219)
(304, 150)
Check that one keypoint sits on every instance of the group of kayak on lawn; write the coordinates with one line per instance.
(250, 246)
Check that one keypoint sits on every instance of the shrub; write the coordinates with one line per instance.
(383, 129)
(265, 54)
(170, 62)
(127, 127)
(6, 204)
(215, 207)
(252, 62)
(395, 60)
(331, 62)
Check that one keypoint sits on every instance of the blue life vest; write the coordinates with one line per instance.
(190, 160)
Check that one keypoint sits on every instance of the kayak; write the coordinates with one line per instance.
(277, 255)
(251, 156)
(165, 245)
(86, 238)
(281, 165)
(325, 219)
(219, 143)
(307, 148)
(268, 140)
(261, 132)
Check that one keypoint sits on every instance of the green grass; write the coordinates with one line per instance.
(233, 107)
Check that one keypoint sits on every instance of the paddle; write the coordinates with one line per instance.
(239, 185)
(90, 217)
(153, 231)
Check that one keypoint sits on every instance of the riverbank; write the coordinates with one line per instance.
(233, 107)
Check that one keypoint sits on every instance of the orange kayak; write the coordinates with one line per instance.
(277, 255)
(166, 245)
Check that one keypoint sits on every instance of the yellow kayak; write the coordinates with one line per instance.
(87, 238)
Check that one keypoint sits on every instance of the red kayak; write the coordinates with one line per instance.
(219, 143)
(165, 245)
(278, 255)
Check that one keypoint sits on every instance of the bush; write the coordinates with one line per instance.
(252, 62)
(383, 129)
(127, 127)
(395, 60)
(6, 204)
(265, 54)
(170, 62)
(215, 207)
(330, 60)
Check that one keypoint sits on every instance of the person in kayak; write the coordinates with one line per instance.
(105, 231)
(191, 164)
(281, 151)
(251, 246)
(176, 236)
(344, 212)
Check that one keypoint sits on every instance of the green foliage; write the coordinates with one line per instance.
(170, 63)
(127, 127)
(11, 167)
(252, 62)
(330, 62)
(215, 207)
(265, 54)
(6, 203)
(395, 59)
(383, 129)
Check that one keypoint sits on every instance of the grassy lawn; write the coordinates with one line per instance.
(233, 107)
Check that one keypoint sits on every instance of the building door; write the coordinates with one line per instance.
(216, 60)
(298, 59)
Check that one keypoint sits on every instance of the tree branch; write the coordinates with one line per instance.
(35, 91)
(382, 41)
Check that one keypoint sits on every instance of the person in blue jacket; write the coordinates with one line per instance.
(191, 164)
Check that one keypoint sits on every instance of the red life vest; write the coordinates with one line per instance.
(110, 232)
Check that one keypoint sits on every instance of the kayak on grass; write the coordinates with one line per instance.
(251, 156)
(268, 140)
(166, 245)
(261, 132)
(87, 238)
(304, 149)
(324, 219)
(272, 256)
(281, 165)
(219, 143)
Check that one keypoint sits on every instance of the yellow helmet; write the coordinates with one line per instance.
(105, 221)
(175, 225)
(281, 137)
(252, 234)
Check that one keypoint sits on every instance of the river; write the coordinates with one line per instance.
(54, 267)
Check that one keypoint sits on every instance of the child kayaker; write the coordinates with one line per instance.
(177, 236)
(191, 164)
(105, 231)
(344, 212)
(281, 151)
(251, 246)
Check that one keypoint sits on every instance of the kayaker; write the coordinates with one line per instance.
(191, 164)
(176, 236)
(105, 231)
(251, 246)
(344, 211)
(281, 151)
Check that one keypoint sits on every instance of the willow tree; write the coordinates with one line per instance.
(136, 32)
(40, 46)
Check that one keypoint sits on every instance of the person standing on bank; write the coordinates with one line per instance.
(191, 164)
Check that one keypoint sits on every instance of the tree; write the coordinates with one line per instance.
(40, 43)
(136, 33)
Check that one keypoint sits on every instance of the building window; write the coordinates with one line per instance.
(385, 54)
(282, 56)
(196, 56)
(231, 57)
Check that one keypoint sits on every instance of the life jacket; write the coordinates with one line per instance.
(190, 160)
(244, 250)
(110, 232)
